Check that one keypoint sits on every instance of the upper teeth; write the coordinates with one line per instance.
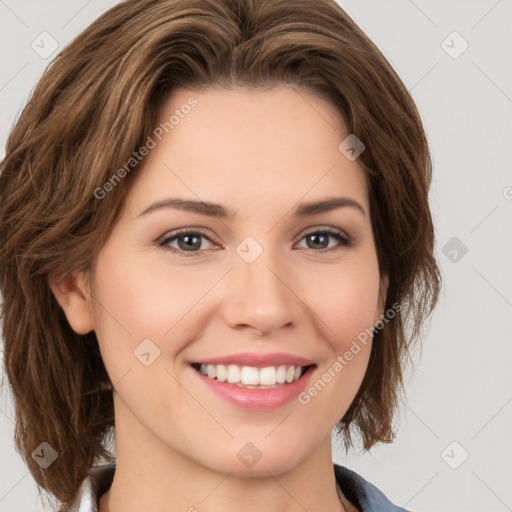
(267, 376)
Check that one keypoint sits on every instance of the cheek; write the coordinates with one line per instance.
(141, 296)
(346, 300)
(135, 304)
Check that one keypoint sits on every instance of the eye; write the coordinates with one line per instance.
(320, 239)
(186, 240)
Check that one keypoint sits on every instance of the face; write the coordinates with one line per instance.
(175, 287)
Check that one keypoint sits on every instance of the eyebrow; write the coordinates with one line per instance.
(219, 211)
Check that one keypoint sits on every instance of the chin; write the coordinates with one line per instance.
(276, 463)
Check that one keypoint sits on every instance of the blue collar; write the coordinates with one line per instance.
(364, 495)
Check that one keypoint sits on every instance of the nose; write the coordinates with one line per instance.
(259, 296)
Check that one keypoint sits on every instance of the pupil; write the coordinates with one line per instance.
(187, 239)
(315, 237)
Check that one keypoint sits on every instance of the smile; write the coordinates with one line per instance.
(252, 377)
(244, 393)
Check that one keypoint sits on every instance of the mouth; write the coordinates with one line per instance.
(252, 377)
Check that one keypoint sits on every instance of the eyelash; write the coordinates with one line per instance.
(346, 241)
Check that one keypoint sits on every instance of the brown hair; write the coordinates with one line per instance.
(97, 103)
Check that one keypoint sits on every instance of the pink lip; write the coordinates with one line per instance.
(257, 399)
(259, 360)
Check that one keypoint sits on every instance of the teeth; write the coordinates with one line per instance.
(233, 372)
(267, 376)
(222, 374)
(250, 375)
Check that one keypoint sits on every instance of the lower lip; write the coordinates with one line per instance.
(257, 399)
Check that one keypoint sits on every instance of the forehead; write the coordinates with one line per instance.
(248, 148)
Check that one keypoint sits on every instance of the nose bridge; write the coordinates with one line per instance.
(259, 290)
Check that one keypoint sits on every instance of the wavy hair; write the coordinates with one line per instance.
(97, 103)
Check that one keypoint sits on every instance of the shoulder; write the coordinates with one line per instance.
(364, 495)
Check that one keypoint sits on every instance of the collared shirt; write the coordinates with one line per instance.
(364, 495)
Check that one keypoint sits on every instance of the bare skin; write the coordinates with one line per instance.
(259, 154)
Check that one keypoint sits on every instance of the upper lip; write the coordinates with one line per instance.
(258, 360)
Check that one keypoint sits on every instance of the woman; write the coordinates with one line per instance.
(216, 244)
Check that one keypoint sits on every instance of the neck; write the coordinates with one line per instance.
(155, 478)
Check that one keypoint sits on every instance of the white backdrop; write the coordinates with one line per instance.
(452, 452)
